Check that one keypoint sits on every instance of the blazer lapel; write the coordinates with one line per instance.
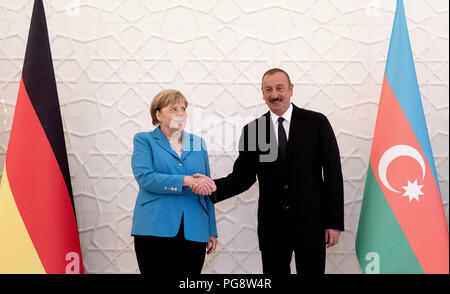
(188, 145)
(295, 129)
(163, 142)
(270, 130)
(270, 137)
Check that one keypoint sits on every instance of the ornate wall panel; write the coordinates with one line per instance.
(112, 57)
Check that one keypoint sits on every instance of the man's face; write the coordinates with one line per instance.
(277, 92)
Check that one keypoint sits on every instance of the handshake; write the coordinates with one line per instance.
(201, 184)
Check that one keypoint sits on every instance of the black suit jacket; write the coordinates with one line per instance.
(307, 186)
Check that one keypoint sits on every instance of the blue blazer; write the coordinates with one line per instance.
(162, 200)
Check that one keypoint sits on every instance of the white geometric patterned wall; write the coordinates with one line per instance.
(112, 56)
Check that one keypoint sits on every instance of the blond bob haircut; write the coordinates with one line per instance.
(164, 98)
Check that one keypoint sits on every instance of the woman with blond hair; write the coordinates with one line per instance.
(172, 226)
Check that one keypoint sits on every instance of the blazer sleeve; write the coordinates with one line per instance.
(243, 175)
(333, 180)
(146, 177)
(209, 204)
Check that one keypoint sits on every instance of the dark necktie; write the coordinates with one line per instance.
(282, 139)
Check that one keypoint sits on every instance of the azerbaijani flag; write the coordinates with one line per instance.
(38, 229)
(402, 226)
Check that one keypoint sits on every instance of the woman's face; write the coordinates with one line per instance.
(172, 116)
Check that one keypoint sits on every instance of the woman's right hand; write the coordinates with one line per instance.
(200, 184)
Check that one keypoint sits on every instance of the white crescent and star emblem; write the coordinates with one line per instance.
(412, 189)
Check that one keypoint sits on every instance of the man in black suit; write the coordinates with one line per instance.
(294, 154)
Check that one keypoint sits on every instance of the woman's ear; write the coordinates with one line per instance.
(158, 115)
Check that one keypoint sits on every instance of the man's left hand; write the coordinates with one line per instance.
(331, 237)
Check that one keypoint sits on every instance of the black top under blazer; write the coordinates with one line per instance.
(307, 185)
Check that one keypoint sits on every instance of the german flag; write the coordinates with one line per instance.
(38, 228)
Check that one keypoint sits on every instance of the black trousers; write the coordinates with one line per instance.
(309, 257)
(166, 255)
(307, 262)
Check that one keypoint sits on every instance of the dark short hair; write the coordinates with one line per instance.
(273, 71)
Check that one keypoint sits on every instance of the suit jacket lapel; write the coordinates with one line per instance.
(187, 145)
(270, 130)
(163, 142)
(295, 129)
(270, 137)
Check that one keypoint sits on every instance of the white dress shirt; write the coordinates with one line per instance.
(286, 123)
